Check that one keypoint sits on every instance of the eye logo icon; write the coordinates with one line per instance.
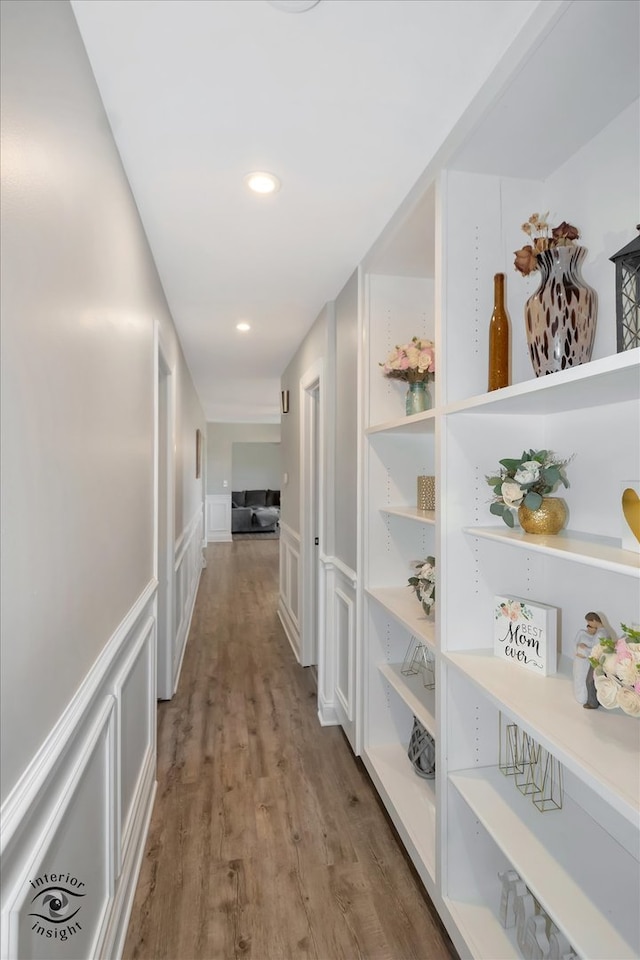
(56, 904)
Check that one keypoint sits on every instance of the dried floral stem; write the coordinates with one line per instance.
(537, 228)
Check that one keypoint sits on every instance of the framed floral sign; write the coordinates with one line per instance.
(525, 633)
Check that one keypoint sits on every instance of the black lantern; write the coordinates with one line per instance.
(627, 263)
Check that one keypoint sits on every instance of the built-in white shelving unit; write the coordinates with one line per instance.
(549, 132)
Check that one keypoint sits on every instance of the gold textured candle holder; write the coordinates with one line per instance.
(426, 493)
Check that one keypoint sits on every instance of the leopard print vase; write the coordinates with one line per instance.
(560, 317)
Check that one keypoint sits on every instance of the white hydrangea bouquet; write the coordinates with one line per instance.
(616, 671)
(424, 583)
(525, 482)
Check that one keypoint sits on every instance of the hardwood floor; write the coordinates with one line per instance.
(267, 839)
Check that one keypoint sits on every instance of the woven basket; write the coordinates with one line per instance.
(422, 751)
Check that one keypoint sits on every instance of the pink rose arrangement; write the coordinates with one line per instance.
(616, 671)
(413, 362)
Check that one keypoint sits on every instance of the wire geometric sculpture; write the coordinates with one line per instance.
(536, 772)
(419, 660)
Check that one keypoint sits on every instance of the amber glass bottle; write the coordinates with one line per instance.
(499, 350)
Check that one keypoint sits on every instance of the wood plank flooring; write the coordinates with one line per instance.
(267, 839)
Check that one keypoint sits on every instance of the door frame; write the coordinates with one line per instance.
(312, 498)
(163, 553)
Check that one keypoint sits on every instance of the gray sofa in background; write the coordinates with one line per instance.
(255, 511)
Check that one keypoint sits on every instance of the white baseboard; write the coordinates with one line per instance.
(221, 536)
(290, 630)
(327, 714)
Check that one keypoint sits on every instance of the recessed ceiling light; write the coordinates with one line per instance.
(243, 327)
(293, 6)
(261, 182)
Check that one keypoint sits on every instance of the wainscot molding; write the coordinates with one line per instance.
(337, 656)
(289, 598)
(188, 569)
(186, 537)
(333, 563)
(218, 514)
(83, 805)
(31, 785)
(290, 534)
(117, 922)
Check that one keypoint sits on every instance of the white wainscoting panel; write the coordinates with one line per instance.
(76, 822)
(343, 625)
(338, 660)
(188, 568)
(83, 811)
(289, 600)
(218, 507)
(135, 697)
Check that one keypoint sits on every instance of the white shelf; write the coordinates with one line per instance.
(564, 857)
(411, 513)
(409, 799)
(601, 747)
(602, 552)
(416, 423)
(481, 930)
(403, 605)
(412, 691)
(613, 379)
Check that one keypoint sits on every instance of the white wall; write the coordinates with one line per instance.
(81, 302)
(256, 466)
(220, 438)
(317, 345)
(346, 429)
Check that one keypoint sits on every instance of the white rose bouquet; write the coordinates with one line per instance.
(616, 671)
(525, 482)
(424, 584)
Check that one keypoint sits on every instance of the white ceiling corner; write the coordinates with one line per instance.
(346, 103)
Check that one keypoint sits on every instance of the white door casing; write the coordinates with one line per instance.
(312, 455)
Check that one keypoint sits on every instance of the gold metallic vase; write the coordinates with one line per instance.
(549, 518)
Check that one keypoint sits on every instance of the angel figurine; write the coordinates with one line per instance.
(583, 686)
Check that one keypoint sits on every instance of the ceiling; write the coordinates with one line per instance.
(346, 103)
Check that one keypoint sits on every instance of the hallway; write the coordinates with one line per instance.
(267, 840)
